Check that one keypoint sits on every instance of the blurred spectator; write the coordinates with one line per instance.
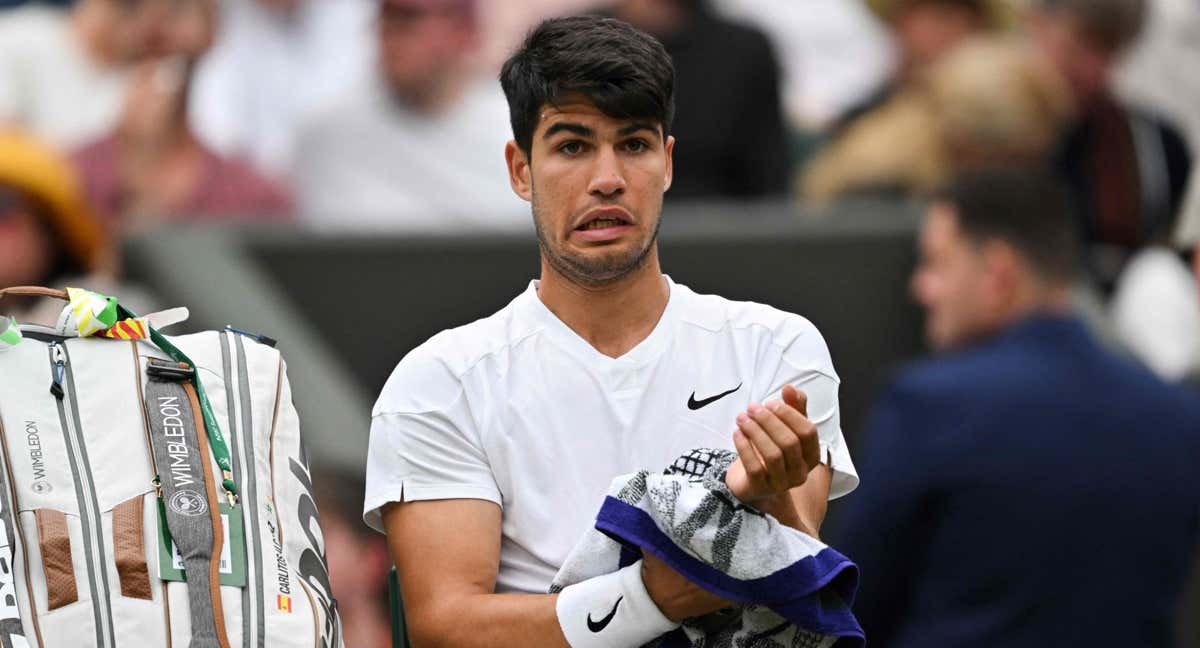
(64, 73)
(990, 101)
(923, 33)
(1128, 170)
(358, 561)
(153, 167)
(1027, 488)
(48, 235)
(418, 145)
(1160, 71)
(730, 135)
(504, 24)
(833, 53)
(275, 60)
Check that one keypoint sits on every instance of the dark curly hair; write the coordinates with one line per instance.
(623, 71)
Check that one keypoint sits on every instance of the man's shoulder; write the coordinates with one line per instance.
(433, 371)
(763, 322)
(1017, 370)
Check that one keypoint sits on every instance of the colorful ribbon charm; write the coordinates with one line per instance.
(88, 312)
(91, 313)
(133, 328)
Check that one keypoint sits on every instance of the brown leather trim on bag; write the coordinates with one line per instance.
(129, 549)
(55, 544)
(166, 613)
(312, 605)
(214, 512)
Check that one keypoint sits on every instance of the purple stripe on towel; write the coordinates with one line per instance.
(814, 593)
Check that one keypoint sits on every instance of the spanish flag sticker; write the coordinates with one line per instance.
(284, 603)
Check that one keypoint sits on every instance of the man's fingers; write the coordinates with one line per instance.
(806, 434)
(784, 436)
(756, 473)
(796, 399)
(772, 455)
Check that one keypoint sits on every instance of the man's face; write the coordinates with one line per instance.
(139, 29)
(596, 184)
(951, 281)
(191, 27)
(424, 42)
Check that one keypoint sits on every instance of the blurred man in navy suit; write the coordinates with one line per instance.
(1026, 488)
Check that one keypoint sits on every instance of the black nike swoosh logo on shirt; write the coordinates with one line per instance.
(597, 626)
(694, 404)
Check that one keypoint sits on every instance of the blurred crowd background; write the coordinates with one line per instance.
(381, 120)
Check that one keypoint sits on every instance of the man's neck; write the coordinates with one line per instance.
(1036, 300)
(613, 318)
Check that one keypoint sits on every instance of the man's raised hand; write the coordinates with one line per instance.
(777, 447)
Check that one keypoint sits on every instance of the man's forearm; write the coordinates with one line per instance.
(489, 621)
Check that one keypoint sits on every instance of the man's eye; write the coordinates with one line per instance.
(572, 147)
(636, 146)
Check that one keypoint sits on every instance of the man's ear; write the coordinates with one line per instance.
(670, 146)
(519, 174)
(1004, 267)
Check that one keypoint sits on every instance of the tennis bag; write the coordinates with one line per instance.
(155, 490)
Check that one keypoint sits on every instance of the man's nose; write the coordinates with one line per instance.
(608, 178)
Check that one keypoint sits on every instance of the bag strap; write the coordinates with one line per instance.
(216, 439)
(188, 497)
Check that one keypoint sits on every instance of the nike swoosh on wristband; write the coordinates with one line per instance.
(597, 626)
(694, 404)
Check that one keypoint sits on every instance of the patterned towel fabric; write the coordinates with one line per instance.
(791, 590)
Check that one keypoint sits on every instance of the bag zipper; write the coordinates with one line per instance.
(63, 389)
(244, 444)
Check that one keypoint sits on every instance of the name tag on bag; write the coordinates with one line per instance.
(233, 550)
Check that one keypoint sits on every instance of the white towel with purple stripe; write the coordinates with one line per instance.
(790, 589)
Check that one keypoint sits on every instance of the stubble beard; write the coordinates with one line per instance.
(598, 271)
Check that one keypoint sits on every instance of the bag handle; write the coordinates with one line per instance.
(35, 291)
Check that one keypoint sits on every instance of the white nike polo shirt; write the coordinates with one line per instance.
(518, 410)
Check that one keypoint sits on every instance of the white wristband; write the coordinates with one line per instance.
(611, 611)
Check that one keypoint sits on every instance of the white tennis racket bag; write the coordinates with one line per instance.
(136, 514)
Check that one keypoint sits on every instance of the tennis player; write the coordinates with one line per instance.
(493, 444)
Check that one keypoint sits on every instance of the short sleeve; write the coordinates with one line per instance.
(806, 364)
(424, 443)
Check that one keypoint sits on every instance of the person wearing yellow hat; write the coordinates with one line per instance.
(47, 231)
